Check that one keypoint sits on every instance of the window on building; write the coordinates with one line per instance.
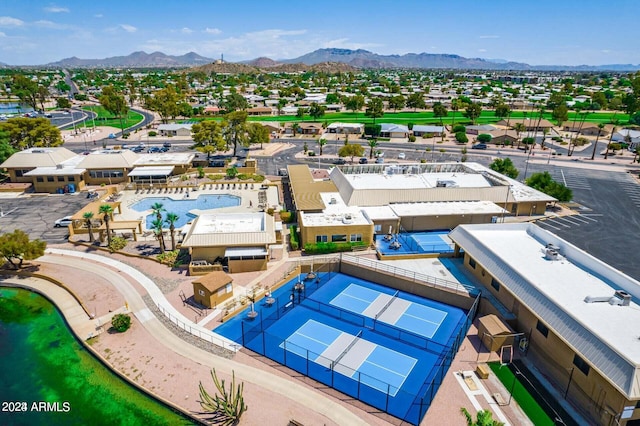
(101, 174)
(495, 284)
(542, 329)
(338, 238)
(39, 179)
(222, 291)
(21, 172)
(321, 238)
(201, 292)
(472, 263)
(72, 179)
(355, 238)
(581, 364)
(60, 178)
(229, 288)
(49, 178)
(377, 228)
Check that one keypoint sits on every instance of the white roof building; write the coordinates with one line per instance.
(575, 294)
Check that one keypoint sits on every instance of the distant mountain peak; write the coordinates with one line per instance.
(138, 59)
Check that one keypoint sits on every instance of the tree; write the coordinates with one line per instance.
(375, 109)
(545, 132)
(235, 102)
(6, 150)
(281, 104)
(114, 102)
(502, 110)
(121, 322)
(473, 111)
(519, 128)
(372, 130)
(16, 247)
(483, 418)
(504, 166)
(372, 144)
(165, 102)
(560, 113)
(484, 138)
(301, 112)
(207, 136)
(455, 105)
(107, 211)
(415, 101)
(351, 150)
(157, 230)
(87, 216)
(25, 89)
(235, 128)
(316, 110)
(226, 408)
(396, 102)
(257, 133)
(613, 130)
(354, 103)
(461, 137)
(321, 143)
(440, 111)
(543, 182)
(22, 133)
(595, 144)
(63, 103)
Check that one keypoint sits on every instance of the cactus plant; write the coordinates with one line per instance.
(227, 407)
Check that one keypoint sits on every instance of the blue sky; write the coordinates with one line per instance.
(566, 32)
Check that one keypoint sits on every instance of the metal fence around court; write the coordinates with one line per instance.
(410, 407)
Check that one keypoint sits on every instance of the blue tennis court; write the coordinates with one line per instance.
(414, 242)
(376, 366)
(419, 319)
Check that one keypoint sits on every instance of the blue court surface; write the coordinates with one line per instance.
(388, 349)
(414, 243)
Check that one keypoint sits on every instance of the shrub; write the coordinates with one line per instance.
(580, 141)
(324, 248)
(459, 128)
(412, 138)
(615, 146)
(257, 178)
(311, 153)
(117, 244)
(463, 158)
(293, 237)
(168, 257)
(125, 136)
(200, 172)
(461, 137)
(464, 150)
(243, 176)
(286, 216)
(528, 141)
(484, 138)
(121, 322)
(153, 133)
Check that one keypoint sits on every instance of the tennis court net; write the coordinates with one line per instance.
(349, 346)
(386, 305)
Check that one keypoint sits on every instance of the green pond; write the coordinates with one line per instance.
(43, 362)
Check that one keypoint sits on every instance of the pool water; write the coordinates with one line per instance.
(42, 361)
(183, 207)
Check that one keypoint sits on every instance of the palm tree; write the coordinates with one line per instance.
(595, 144)
(157, 229)
(483, 418)
(454, 107)
(87, 216)
(519, 128)
(321, 143)
(107, 211)
(157, 209)
(171, 219)
(545, 132)
(372, 144)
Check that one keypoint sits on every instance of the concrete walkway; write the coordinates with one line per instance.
(113, 273)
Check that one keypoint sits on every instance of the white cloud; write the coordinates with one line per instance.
(489, 36)
(51, 25)
(128, 28)
(55, 9)
(605, 51)
(8, 21)
(2, 34)
(212, 30)
(186, 30)
(98, 15)
(482, 50)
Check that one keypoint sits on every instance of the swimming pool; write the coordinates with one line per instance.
(183, 207)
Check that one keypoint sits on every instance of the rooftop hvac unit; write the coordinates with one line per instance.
(332, 200)
(37, 151)
(59, 166)
(551, 254)
(620, 297)
(347, 219)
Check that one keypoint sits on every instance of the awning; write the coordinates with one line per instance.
(245, 251)
(152, 171)
(185, 229)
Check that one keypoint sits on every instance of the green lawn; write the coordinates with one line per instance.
(105, 118)
(526, 401)
(426, 117)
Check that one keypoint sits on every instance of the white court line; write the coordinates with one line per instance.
(384, 368)
(421, 319)
(311, 338)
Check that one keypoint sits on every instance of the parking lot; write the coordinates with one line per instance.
(36, 214)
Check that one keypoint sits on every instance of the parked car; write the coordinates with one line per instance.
(379, 160)
(340, 161)
(402, 156)
(111, 136)
(166, 145)
(154, 149)
(65, 221)
(363, 160)
(479, 146)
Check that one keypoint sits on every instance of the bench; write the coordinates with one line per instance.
(482, 370)
(499, 399)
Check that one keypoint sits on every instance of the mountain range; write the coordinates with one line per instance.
(359, 58)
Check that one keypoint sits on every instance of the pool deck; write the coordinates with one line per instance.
(268, 388)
